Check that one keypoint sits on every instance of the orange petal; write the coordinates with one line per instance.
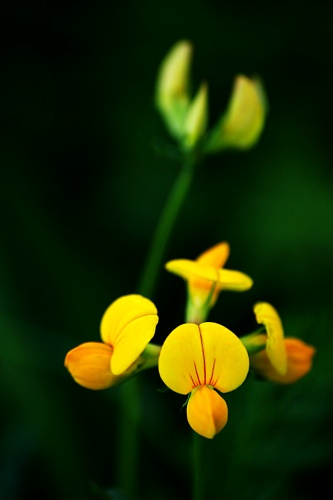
(215, 256)
(299, 362)
(207, 412)
(89, 365)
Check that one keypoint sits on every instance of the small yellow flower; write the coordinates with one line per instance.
(299, 362)
(206, 279)
(127, 326)
(195, 360)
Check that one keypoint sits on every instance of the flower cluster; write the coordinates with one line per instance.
(186, 118)
(199, 359)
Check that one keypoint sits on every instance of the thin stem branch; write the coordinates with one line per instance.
(129, 438)
(164, 228)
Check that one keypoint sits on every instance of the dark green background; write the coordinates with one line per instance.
(82, 182)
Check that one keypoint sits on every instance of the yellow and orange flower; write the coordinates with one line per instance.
(127, 327)
(196, 360)
(206, 278)
(282, 360)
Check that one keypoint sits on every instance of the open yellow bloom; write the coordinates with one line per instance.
(127, 326)
(299, 362)
(206, 278)
(195, 360)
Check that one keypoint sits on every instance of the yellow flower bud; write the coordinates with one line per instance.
(196, 119)
(243, 122)
(172, 95)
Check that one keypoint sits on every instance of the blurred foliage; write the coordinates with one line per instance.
(82, 182)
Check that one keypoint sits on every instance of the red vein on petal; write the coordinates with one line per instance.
(193, 381)
(203, 355)
(212, 375)
(196, 371)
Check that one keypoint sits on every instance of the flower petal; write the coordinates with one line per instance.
(300, 357)
(131, 316)
(202, 275)
(181, 349)
(208, 354)
(89, 365)
(215, 256)
(207, 412)
(132, 341)
(189, 269)
(275, 347)
(226, 359)
(233, 280)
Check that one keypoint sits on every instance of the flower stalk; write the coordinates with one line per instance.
(165, 226)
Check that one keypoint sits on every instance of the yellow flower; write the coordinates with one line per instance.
(240, 127)
(272, 356)
(195, 360)
(299, 362)
(206, 279)
(127, 327)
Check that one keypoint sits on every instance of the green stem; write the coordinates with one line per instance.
(198, 492)
(164, 228)
(129, 438)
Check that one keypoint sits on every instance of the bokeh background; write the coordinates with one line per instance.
(83, 179)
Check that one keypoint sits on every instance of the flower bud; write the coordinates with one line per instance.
(196, 119)
(172, 95)
(243, 122)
